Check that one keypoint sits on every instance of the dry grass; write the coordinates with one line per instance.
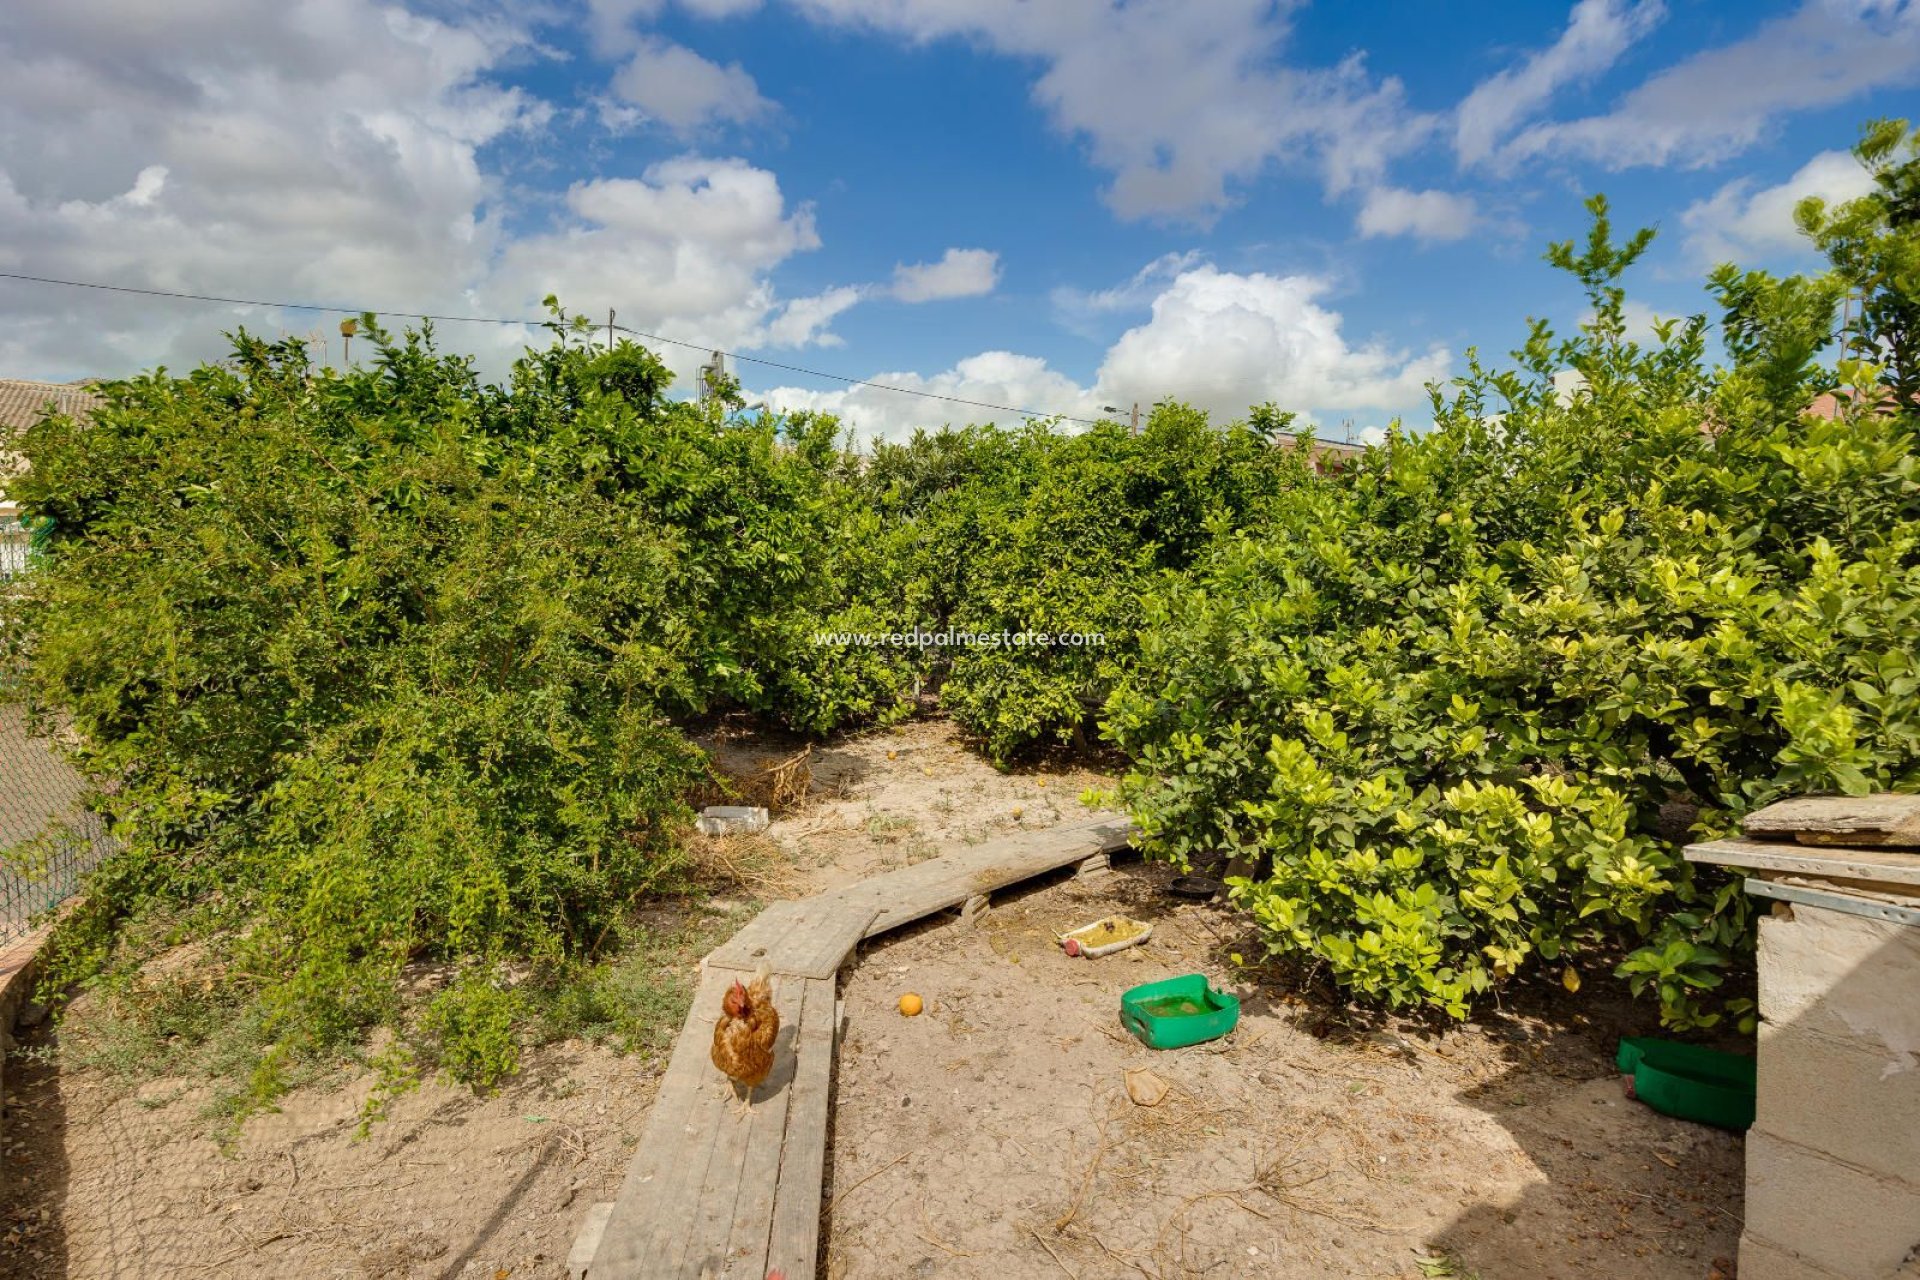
(783, 788)
(741, 861)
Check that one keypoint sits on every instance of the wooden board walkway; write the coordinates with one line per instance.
(714, 1194)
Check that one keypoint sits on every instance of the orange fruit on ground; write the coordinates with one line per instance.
(910, 1004)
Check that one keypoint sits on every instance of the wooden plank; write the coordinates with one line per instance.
(1885, 820)
(757, 943)
(708, 1194)
(834, 940)
(736, 1183)
(659, 1171)
(811, 938)
(1822, 863)
(680, 1189)
(751, 1231)
(794, 1244)
(948, 881)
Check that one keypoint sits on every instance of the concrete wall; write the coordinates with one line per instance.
(1833, 1158)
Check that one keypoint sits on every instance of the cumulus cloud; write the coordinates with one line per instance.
(1220, 340)
(313, 150)
(1025, 384)
(674, 86)
(1425, 215)
(1224, 340)
(1744, 221)
(1221, 107)
(615, 26)
(332, 151)
(684, 249)
(1718, 103)
(960, 273)
(1597, 33)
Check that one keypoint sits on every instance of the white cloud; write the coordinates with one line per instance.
(1742, 221)
(1718, 103)
(613, 25)
(1179, 102)
(1425, 215)
(1084, 311)
(1598, 32)
(1220, 340)
(960, 273)
(803, 321)
(683, 250)
(676, 87)
(1225, 341)
(316, 150)
(332, 151)
(1135, 293)
(993, 377)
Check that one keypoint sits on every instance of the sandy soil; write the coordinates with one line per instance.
(990, 1136)
(993, 1135)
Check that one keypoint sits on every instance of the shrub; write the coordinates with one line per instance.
(1454, 700)
(996, 531)
(383, 666)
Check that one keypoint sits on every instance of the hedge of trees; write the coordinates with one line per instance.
(392, 663)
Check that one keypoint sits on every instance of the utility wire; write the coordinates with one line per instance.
(650, 337)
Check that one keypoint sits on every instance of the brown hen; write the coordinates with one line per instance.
(743, 1037)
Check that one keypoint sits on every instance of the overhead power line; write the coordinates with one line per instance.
(637, 333)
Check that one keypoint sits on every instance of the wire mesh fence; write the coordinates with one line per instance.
(49, 839)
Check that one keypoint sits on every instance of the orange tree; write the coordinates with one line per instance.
(1462, 707)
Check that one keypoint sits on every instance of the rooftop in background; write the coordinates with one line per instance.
(21, 401)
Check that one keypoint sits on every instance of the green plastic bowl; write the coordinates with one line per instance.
(1688, 1081)
(1178, 1012)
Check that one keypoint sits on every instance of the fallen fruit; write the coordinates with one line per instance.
(910, 1004)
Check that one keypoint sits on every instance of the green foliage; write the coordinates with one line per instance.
(1874, 245)
(383, 666)
(472, 1025)
(391, 666)
(1456, 697)
(991, 531)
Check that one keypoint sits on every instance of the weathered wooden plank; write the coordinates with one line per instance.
(1885, 819)
(732, 1182)
(1820, 863)
(763, 937)
(661, 1165)
(811, 938)
(749, 1235)
(948, 881)
(723, 1186)
(710, 1194)
(671, 1249)
(795, 1240)
(834, 942)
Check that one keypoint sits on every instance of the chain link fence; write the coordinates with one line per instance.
(49, 839)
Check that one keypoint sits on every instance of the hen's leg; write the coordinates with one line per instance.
(742, 1104)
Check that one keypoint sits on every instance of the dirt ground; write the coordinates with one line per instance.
(992, 1135)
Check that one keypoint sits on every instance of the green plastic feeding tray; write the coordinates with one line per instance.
(1178, 1012)
(1689, 1081)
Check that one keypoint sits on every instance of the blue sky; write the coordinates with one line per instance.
(1055, 205)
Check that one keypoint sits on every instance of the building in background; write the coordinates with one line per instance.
(23, 403)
